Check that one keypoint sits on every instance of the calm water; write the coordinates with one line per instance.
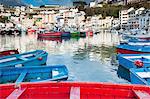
(87, 59)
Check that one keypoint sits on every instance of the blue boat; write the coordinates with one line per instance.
(34, 58)
(134, 60)
(66, 34)
(132, 49)
(128, 61)
(140, 76)
(33, 74)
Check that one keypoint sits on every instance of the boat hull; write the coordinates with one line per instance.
(137, 76)
(49, 34)
(65, 34)
(34, 58)
(33, 74)
(8, 52)
(74, 90)
(126, 51)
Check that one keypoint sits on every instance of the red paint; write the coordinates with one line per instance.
(31, 30)
(139, 63)
(125, 51)
(84, 90)
(8, 52)
(50, 34)
(89, 33)
(57, 39)
(40, 58)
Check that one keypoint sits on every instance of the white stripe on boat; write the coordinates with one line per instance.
(143, 74)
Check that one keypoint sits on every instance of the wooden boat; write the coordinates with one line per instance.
(33, 58)
(89, 33)
(132, 49)
(8, 52)
(82, 34)
(49, 34)
(74, 90)
(75, 34)
(128, 61)
(134, 60)
(33, 74)
(140, 76)
(65, 34)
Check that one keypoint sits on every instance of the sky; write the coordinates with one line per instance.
(43, 2)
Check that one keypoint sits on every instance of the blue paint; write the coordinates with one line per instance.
(25, 59)
(127, 60)
(137, 79)
(33, 74)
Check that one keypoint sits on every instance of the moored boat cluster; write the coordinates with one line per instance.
(134, 59)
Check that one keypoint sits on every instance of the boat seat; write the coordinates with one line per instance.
(75, 93)
(21, 77)
(141, 94)
(143, 74)
(7, 59)
(16, 93)
(22, 58)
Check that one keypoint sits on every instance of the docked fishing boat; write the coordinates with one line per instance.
(8, 52)
(49, 34)
(134, 60)
(132, 49)
(65, 34)
(82, 34)
(128, 61)
(140, 76)
(75, 34)
(89, 33)
(74, 90)
(38, 57)
(33, 74)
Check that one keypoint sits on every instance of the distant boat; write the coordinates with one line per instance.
(57, 39)
(75, 34)
(74, 90)
(140, 76)
(8, 52)
(65, 34)
(33, 58)
(49, 34)
(132, 49)
(89, 33)
(33, 74)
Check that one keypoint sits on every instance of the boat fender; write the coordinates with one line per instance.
(40, 58)
(139, 63)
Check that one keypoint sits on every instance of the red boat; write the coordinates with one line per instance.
(31, 30)
(57, 39)
(89, 33)
(125, 51)
(8, 52)
(50, 34)
(73, 90)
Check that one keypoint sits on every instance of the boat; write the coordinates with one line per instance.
(33, 74)
(89, 33)
(75, 34)
(49, 34)
(134, 60)
(8, 52)
(132, 49)
(82, 34)
(31, 30)
(37, 57)
(129, 61)
(74, 90)
(65, 34)
(140, 76)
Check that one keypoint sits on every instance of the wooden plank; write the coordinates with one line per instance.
(75, 93)
(21, 77)
(16, 93)
(141, 94)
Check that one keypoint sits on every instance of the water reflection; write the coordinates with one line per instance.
(88, 59)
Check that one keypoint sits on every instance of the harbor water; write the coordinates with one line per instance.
(87, 59)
